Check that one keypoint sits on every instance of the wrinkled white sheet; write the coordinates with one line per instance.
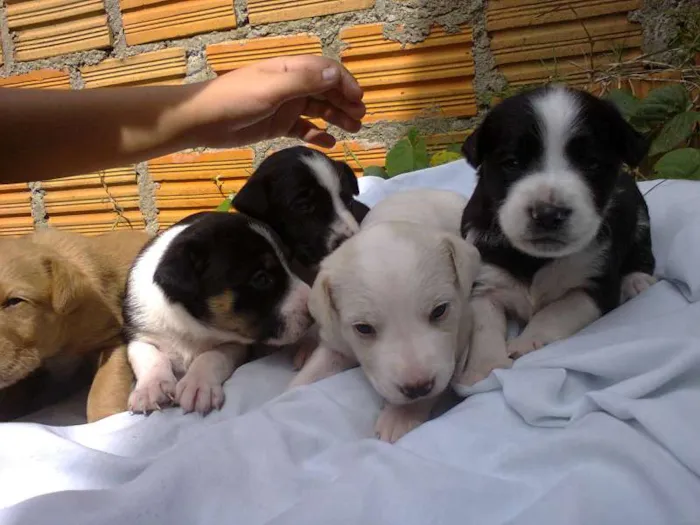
(602, 428)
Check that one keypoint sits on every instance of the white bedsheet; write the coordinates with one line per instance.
(602, 428)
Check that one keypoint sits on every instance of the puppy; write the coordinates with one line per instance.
(393, 299)
(563, 232)
(307, 199)
(60, 305)
(196, 298)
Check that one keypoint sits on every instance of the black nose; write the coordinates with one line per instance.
(416, 390)
(548, 216)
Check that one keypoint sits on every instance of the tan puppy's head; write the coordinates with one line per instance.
(39, 292)
(395, 296)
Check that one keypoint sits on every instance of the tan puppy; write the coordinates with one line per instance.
(60, 301)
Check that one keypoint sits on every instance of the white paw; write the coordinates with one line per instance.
(199, 392)
(394, 422)
(524, 344)
(476, 372)
(152, 392)
(635, 283)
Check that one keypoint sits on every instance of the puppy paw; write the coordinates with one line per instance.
(301, 356)
(635, 283)
(152, 393)
(394, 422)
(479, 371)
(199, 392)
(524, 344)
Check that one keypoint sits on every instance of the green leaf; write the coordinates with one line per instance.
(420, 150)
(443, 157)
(661, 104)
(625, 101)
(681, 163)
(400, 158)
(375, 171)
(675, 131)
(225, 205)
(454, 148)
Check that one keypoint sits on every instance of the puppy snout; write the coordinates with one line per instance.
(419, 389)
(549, 216)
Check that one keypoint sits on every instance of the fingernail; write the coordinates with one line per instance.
(330, 73)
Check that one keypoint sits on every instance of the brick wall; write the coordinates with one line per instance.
(428, 63)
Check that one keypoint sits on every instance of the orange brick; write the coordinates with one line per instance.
(15, 210)
(541, 40)
(232, 55)
(44, 78)
(94, 203)
(167, 66)
(44, 28)
(150, 20)
(432, 78)
(192, 182)
(352, 152)
(441, 140)
(266, 11)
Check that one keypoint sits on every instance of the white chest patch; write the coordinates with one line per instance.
(550, 283)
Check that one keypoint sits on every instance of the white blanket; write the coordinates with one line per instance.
(603, 428)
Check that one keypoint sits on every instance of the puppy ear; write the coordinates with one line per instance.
(322, 304)
(632, 145)
(252, 198)
(178, 273)
(348, 179)
(471, 149)
(465, 259)
(68, 285)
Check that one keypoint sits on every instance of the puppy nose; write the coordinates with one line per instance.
(416, 390)
(549, 216)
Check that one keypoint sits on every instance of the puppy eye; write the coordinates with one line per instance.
(439, 312)
(303, 206)
(12, 301)
(261, 280)
(364, 329)
(510, 163)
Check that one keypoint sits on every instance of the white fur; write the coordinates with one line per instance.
(555, 182)
(169, 341)
(441, 209)
(392, 275)
(344, 225)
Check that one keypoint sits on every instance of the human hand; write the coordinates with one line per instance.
(270, 99)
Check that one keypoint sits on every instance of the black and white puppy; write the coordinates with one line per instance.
(197, 296)
(307, 198)
(563, 232)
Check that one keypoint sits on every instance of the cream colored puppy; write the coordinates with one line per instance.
(394, 299)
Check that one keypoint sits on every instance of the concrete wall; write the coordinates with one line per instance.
(433, 64)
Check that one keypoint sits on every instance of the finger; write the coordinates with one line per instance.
(356, 110)
(309, 132)
(332, 115)
(309, 75)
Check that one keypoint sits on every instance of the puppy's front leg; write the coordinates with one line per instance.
(155, 381)
(395, 421)
(557, 320)
(201, 389)
(323, 363)
(487, 350)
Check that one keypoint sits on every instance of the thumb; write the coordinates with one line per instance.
(302, 82)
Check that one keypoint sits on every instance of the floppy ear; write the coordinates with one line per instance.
(471, 150)
(69, 288)
(178, 275)
(632, 145)
(348, 179)
(252, 198)
(465, 259)
(321, 302)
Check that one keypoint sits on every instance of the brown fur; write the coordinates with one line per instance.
(220, 307)
(71, 288)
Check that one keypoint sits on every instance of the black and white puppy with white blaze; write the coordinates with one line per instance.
(307, 198)
(197, 296)
(563, 232)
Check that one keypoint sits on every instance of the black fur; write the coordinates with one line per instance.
(219, 252)
(508, 145)
(284, 194)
